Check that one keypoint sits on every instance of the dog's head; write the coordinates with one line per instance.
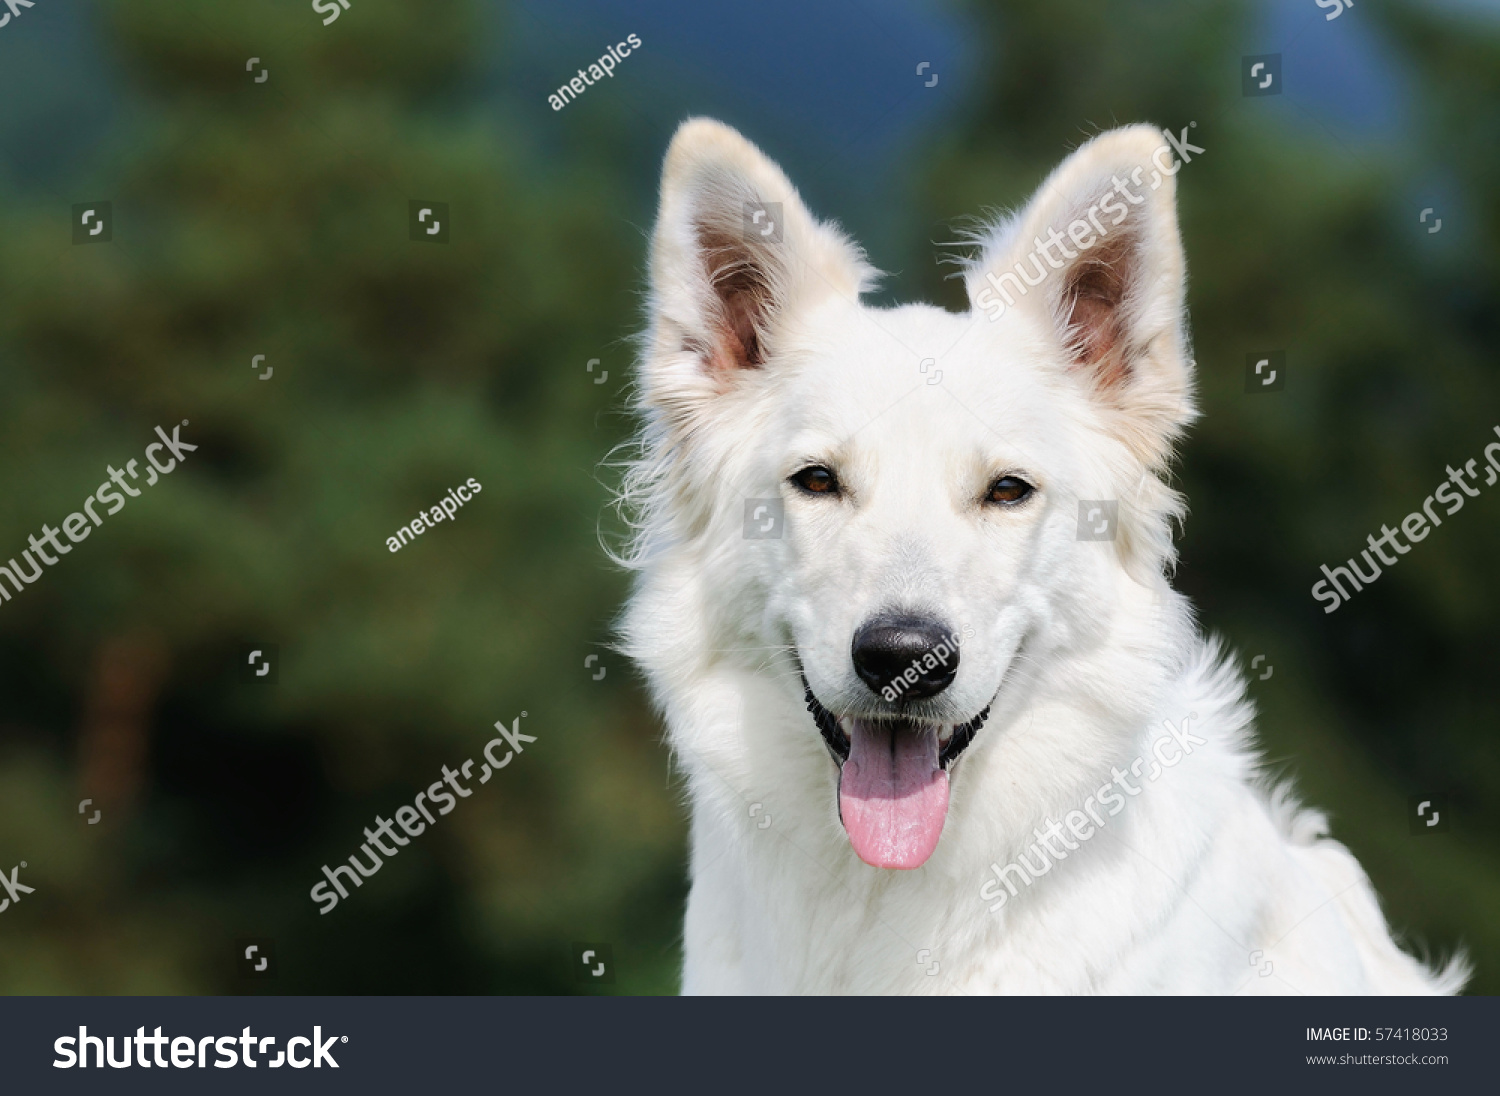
(910, 503)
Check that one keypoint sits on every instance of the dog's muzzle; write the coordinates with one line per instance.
(893, 779)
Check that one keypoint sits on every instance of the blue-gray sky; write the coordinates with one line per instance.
(832, 79)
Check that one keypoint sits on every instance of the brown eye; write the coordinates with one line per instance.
(1008, 490)
(816, 480)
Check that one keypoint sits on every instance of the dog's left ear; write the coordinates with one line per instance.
(734, 256)
(1097, 256)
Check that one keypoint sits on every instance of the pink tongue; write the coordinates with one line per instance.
(893, 795)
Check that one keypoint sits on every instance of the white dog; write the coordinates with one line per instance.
(902, 601)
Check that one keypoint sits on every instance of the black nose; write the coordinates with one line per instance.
(905, 656)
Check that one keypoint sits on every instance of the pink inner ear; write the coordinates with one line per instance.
(1093, 309)
(743, 296)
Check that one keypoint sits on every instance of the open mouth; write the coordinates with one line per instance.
(893, 780)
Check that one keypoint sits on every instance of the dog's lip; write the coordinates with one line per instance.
(953, 738)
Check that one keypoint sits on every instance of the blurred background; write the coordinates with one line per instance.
(270, 218)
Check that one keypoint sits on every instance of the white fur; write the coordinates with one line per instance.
(1083, 647)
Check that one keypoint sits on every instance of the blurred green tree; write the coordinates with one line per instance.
(271, 218)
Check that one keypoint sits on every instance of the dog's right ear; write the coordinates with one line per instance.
(734, 256)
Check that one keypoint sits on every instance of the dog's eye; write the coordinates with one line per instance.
(816, 480)
(1008, 490)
